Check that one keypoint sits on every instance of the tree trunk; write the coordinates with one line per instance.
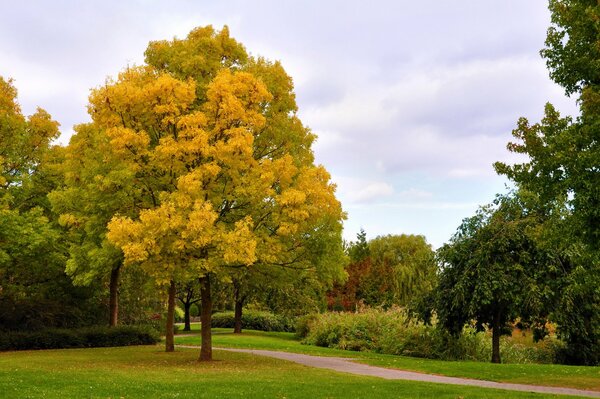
(169, 339)
(237, 315)
(186, 316)
(205, 318)
(113, 302)
(496, 339)
(237, 324)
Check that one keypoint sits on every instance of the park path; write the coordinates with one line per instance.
(346, 365)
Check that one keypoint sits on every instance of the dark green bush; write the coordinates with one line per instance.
(254, 320)
(89, 337)
(194, 310)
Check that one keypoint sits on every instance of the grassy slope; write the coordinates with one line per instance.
(540, 374)
(147, 372)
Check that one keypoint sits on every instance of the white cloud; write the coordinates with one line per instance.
(372, 192)
(355, 191)
(415, 194)
(412, 101)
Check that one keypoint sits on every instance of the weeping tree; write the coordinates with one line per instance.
(385, 271)
(488, 270)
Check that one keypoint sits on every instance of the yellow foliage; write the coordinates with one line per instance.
(68, 220)
(227, 177)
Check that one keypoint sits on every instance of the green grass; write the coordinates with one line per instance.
(580, 377)
(148, 372)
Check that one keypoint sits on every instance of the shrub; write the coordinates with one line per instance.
(394, 332)
(254, 320)
(194, 310)
(302, 326)
(89, 337)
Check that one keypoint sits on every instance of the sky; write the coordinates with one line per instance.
(412, 101)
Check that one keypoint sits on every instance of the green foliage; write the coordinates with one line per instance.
(34, 290)
(562, 170)
(359, 249)
(402, 269)
(393, 332)
(303, 323)
(194, 310)
(389, 270)
(571, 51)
(24, 142)
(488, 270)
(89, 337)
(255, 320)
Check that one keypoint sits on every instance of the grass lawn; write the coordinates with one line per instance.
(148, 372)
(539, 374)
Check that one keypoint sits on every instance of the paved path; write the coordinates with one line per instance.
(346, 365)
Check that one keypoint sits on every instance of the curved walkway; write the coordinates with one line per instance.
(346, 365)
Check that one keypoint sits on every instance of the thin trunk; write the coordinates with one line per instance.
(186, 316)
(113, 302)
(205, 318)
(237, 325)
(496, 338)
(170, 340)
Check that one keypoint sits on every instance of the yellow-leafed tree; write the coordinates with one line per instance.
(224, 165)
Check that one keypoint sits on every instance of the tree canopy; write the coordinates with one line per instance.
(385, 271)
(220, 170)
(563, 171)
(489, 269)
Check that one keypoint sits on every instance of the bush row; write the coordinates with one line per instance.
(254, 320)
(89, 337)
(394, 332)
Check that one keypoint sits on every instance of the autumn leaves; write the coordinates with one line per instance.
(210, 168)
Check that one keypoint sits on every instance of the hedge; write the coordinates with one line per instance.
(254, 320)
(89, 337)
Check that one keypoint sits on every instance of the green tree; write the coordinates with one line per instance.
(388, 270)
(563, 171)
(34, 290)
(488, 270)
(402, 270)
(188, 294)
(96, 186)
(359, 250)
(296, 287)
(23, 144)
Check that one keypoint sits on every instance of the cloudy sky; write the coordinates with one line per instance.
(412, 100)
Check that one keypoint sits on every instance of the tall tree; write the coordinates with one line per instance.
(563, 171)
(359, 249)
(229, 170)
(96, 186)
(34, 290)
(23, 142)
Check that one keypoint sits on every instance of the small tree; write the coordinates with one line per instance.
(487, 270)
(188, 294)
